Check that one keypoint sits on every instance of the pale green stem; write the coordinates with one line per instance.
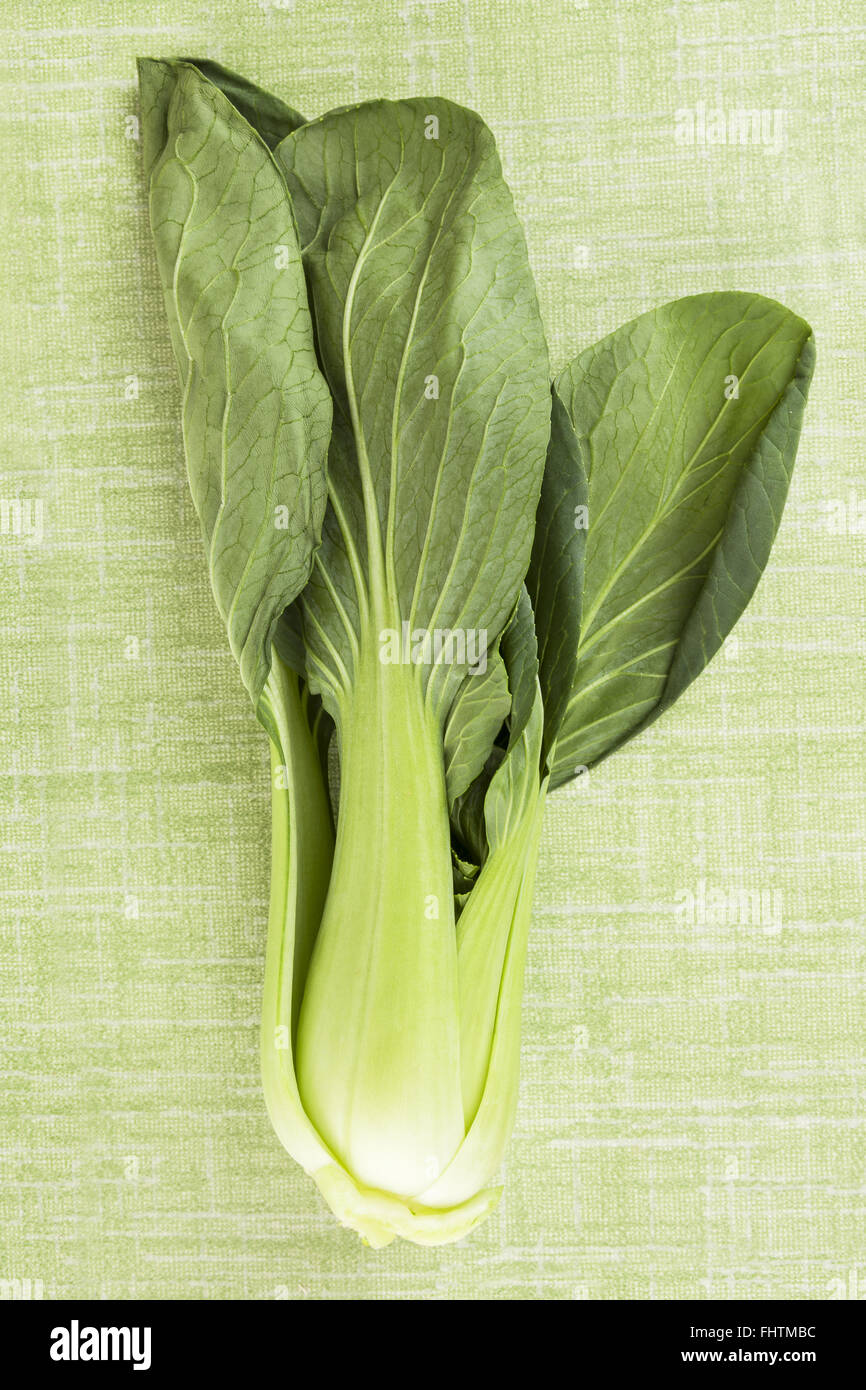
(378, 1037)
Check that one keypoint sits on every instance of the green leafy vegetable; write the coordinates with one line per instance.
(393, 223)
(688, 420)
(256, 408)
(454, 581)
(555, 578)
(267, 114)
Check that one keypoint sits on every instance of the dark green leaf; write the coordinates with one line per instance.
(688, 419)
(514, 785)
(267, 114)
(475, 718)
(555, 578)
(257, 411)
(510, 773)
(429, 334)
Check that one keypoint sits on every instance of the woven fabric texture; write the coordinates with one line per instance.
(691, 1122)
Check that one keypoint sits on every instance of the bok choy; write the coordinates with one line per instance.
(394, 499)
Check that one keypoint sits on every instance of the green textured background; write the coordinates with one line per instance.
(692, 1107)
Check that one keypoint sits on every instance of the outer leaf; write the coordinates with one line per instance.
(257, 411)
(267, 114)
(428, 330)
(555, 577)
(491, 1060)
(491, 931)
(688, 418)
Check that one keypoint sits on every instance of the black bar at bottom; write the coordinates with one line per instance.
(161, 1339)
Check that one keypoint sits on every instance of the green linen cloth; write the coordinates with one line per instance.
(691, 1120)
